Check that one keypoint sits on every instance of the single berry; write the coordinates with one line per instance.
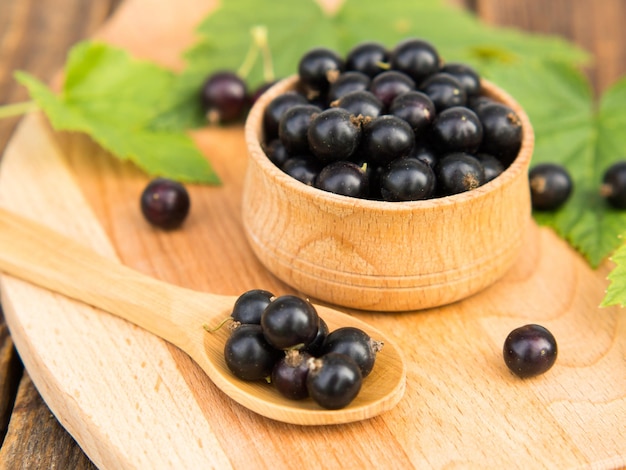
(389, 84)
(275, 110)
(468, 76)
(415, 57)
(346, 83)
(334, 134)
(457, 129)
(290, 373)
(476, 103)
(529, 350)
(614, 185)
(407, 179)
(276, 152)
(550, 186)
(493, 167)
(368, 58)
(444, 90)
(459, 172)
(224, 97)
(290, 322)
(425, 154)
(248, 355)
(345, 178)
(356, 344)
(386, 138)
(303, 168)
(314, 348)
(294, 126)
(360, 103)
(319, 67)
(165, 203)
(502, 131)
(250, 305)
(334, 380)
(416, 108)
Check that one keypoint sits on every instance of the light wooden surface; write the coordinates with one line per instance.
(33, 253)
(462, 406)
(380, 256)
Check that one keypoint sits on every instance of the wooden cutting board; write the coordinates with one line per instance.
(133, 401)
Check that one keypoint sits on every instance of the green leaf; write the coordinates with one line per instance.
(571, 129)
(616, 292)
(225, 39)
(113, 98)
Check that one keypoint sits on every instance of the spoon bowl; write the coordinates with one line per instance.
(37, 254)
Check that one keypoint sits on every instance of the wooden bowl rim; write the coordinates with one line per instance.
(254, 134)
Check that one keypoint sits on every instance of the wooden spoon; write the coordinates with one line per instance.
(37, 254)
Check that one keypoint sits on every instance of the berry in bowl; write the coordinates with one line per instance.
(389, 186)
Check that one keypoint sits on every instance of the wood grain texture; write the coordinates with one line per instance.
(585, 381)
(595, 26)
(32, 252)
(373, 255)
(35, 36)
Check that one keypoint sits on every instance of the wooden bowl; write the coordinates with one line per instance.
(384, 256)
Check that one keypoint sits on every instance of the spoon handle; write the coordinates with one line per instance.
(37, 254)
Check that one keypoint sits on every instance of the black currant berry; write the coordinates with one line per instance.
(165, 203)
(275, 110)
(345, 178)
(360, 103)
(290, 373)
(550, 186)
(276, 152)
(314, 348)
(444, 90)
(529, 350)
(356, 344)
(250, 305)
(224, 97)
(386, 138)
(368, 58)
(290, 322)
(416, 108)
(319, 67)
(425, 154)
(346, 83)
(248, 355)
(459, 172)
(389, 84)
(294, 126)
(415, 57)
(334, 380)
(304, 168)
(334, 134)
(614, 185)
(502, 131)
(407, 179)
(457, 129)
(469, 78)
(493, 167)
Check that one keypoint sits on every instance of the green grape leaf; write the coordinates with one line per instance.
(616, 292)
(113, 98)
(225, 39)
(584, 136)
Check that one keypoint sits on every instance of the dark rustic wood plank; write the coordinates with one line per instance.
(35, 36)
(35, 438)
(10, 374)
(596, 26)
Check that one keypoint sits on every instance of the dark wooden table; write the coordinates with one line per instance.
(35, 36)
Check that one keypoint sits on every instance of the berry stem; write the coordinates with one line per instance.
(259, 33)
(249, 60)
(17, 109)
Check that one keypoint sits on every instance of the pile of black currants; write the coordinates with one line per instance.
(392, 125)
(284, 341)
